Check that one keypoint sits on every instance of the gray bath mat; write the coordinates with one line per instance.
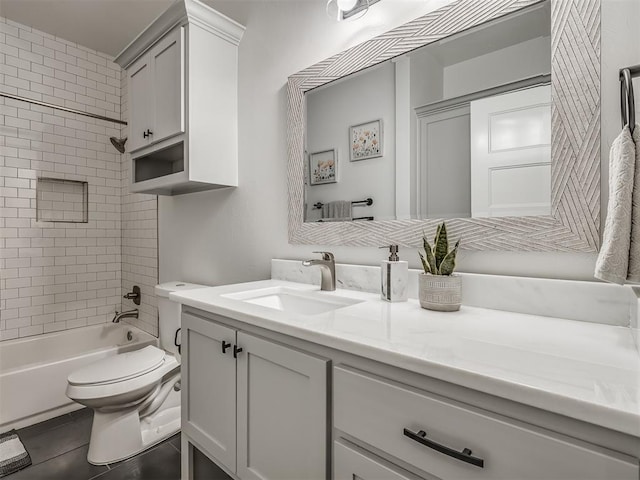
(13, 455)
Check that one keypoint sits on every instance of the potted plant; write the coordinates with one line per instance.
(439, 288)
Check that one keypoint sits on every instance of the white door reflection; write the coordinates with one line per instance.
(511, 154)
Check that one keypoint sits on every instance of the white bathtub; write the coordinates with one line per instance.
(34, 370)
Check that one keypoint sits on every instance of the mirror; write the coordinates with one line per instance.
(439, 73)
(473, 117)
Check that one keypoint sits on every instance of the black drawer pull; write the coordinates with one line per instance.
(465, 455)
(225, 345)
(236, 351)
(148, 133)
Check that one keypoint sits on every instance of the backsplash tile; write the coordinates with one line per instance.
(576, 300)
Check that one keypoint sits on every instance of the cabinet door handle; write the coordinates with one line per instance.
(225, 345)
(148, 133)
(465, 455)
(175, 341)
(236, 351)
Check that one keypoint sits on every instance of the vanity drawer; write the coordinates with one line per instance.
(392, 417)
(349, 464)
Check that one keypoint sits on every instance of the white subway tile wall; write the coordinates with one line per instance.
(61, 200)
(57, 276)
(139, 240)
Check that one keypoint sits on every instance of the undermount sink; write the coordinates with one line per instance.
(293, 301)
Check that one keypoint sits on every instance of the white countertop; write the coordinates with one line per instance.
(586, 371)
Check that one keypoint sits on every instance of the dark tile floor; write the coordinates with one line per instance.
(58, 449)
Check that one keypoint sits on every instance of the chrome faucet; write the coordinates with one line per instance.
(327, 269)
(128, 314)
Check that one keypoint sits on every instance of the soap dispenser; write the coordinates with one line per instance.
(395, 277)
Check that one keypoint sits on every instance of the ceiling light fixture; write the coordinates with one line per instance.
(348, 9)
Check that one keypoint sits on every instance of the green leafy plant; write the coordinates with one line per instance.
(438, 260)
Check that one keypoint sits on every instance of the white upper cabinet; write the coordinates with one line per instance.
(182, 103)
(156, 92)
(139, 79)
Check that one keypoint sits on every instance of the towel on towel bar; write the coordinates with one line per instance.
(338, 211)
(619, 256)
(633, 272)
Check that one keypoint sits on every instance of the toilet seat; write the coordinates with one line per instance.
(130, 387)
(118, 368)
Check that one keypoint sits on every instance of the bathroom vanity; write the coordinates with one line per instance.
(281, 380)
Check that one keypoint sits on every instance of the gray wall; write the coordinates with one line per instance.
(231, 235)
(330, 113)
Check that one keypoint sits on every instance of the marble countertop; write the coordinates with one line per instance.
(582, 370)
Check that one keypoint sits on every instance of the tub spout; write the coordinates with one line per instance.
(128, 314)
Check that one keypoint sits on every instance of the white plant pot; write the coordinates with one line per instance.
(442, 293)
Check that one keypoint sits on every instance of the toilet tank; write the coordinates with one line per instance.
(169, 313)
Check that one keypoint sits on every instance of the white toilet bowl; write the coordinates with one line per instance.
(126, 393)
(135, 396)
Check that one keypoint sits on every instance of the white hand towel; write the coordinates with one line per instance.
(613, 260)
(633, 274)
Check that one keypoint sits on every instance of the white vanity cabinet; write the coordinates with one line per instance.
(453, 441)
(182, 74)
(209, 387)
(256, 407)
(278, 411)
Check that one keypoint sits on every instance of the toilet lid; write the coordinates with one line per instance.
(119, 367)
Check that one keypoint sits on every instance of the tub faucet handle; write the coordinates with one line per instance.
(134, 295)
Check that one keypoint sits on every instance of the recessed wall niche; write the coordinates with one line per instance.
(59, 200)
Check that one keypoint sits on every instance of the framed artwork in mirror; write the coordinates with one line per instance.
(322, 167)
(365, 140)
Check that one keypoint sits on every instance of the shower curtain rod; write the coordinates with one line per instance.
(57, 107)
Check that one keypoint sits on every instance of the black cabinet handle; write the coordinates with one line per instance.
(236, 351)
(225, 345)
(465, 455)
(148, 133)
(175, 341)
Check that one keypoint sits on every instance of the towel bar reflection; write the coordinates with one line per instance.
(363, 203)
(368, 219)
(627, 101)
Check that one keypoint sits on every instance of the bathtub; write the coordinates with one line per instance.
(34, 370)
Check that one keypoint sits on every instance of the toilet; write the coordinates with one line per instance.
(135, 396)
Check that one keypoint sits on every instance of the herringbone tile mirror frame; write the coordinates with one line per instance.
(575, 144)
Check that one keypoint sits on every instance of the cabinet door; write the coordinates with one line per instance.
(349, 464)
(140, 102)
(167, 60)
(209, 387)
(282, 412)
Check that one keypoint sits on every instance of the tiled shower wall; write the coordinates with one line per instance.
(139, 241)
(56, 276)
